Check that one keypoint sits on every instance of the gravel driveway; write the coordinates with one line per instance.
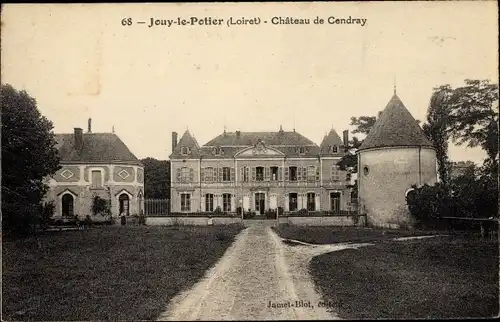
(258, 278)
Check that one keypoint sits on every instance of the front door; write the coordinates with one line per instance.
(260, 202)
(124, 203)
(335, 202)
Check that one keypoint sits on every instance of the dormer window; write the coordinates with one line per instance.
(217, 151)
(335, 149)
(302, 150)
(185, 150)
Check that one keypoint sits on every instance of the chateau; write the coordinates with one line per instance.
(95, 164)
(259, 171)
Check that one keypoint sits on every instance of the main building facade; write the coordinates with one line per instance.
(259, 171)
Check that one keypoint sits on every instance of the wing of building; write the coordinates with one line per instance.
(95, 164)
(258, 171)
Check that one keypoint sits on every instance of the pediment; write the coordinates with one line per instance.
(259, 149)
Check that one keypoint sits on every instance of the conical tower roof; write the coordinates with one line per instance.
(395, 127)
(330, 140)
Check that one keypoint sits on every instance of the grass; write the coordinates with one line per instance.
(332, 235)
(106, 273)
(443, 277)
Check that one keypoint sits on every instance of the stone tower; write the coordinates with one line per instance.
(394, 156)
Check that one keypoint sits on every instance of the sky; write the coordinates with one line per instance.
(80, 62)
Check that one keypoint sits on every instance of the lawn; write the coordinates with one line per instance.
(442, 277)
(331, 235)
(107, 273)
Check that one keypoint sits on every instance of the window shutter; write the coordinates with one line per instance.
(254, 173)
(178, 174)
(232, 175)
(317, 202)
(287, 175)
(214, 174)
(299, 174)
(220, 174)
(332, 173)
(280, 174)
(191, 175)
(233, 208)
(317, 173)
(247, 170)
(304, 173)
(267, 171)
(287, 203)
(202, 175)
(242, 174)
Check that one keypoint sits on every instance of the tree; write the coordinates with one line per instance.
(156, 178)
(28, 156)
(474, 118)
(437, 130)
(363, 125)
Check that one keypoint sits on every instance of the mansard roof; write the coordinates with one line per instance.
(228, 144)
(278, 138)
(329, 141)
(97, 147)
(395, 127)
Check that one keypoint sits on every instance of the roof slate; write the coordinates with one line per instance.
(395, 127)
(232, 142)
(97, 147)
(332, 139)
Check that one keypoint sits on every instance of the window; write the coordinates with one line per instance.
(244, 174)
(217, 151)
(185, 202)
(292, 202)
(226, 174)
(96, 179)
(366, 170)
(311, 173)
(226, 202)
(209, 174)
(185, 174)
(302, 150)
(293, 173)
(335, 149)
(311, 201)
(209, 202)
(274, 174)
(335, 173)
(259, 173)
(185, 150)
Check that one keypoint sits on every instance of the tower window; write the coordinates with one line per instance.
(366, 170)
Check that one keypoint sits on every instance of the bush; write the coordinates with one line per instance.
(270, 214)
(303, 212)
(248, 214)
(280, 211)
(468, 197)
(218, 211)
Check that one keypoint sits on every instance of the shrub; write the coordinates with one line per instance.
(248, 214)
(270, 214)
(100, 206)
(280, 211)
(218, 211)
(303, 212)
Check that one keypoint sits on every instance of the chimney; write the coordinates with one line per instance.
(238, 133)
(78, 139)
(90, 126)
(174, 141)
(346, 138)
(379, 114)
(281, 129)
